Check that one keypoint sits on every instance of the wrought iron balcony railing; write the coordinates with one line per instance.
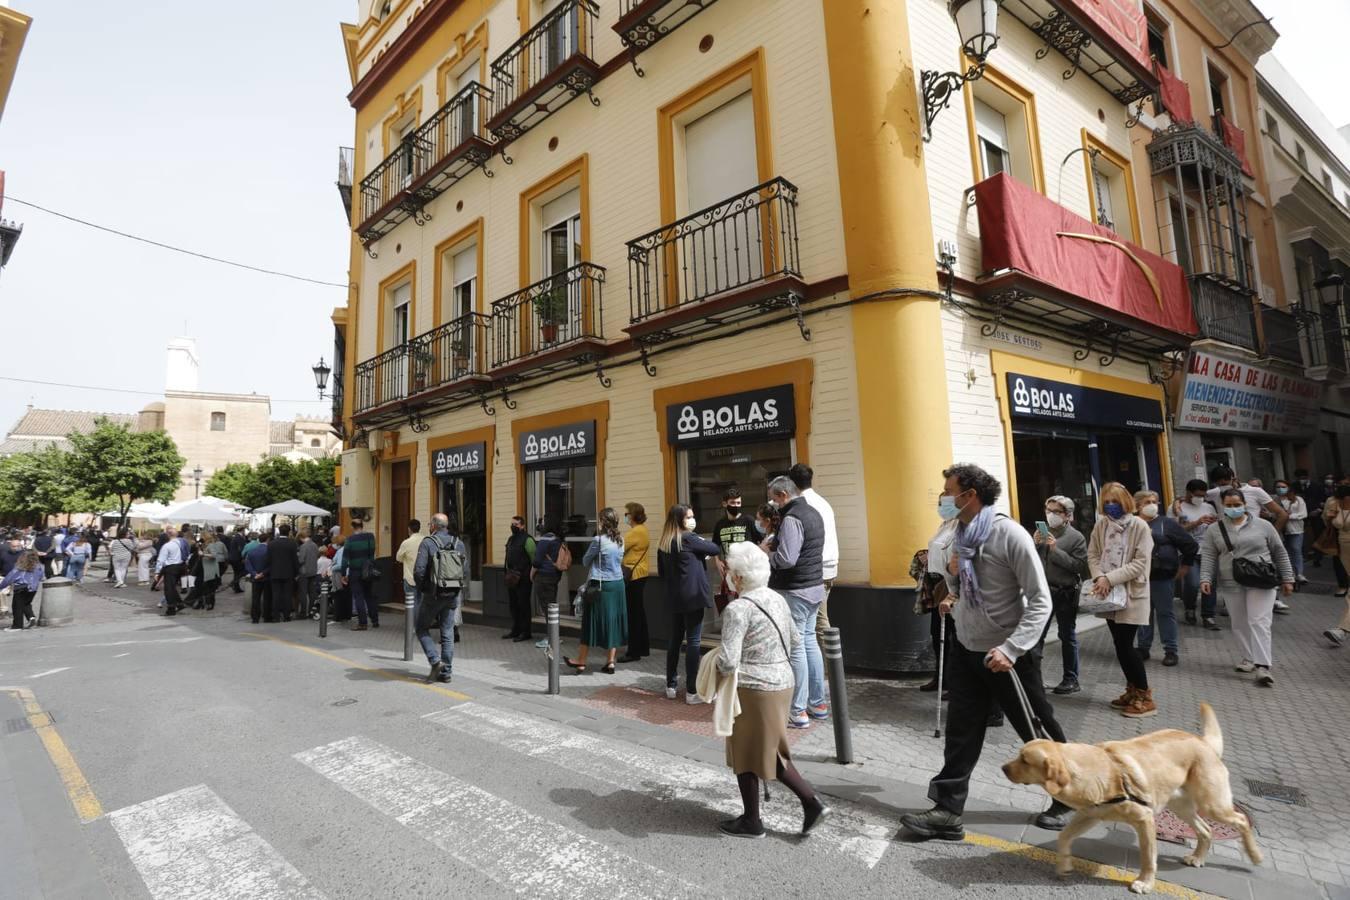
(728, 259)
(451, 353)
(1327, 342)
(384, 378)
(338, 396)
(1281, 333)
(443, 149)
(1223, 314)
(543, 71)
(346, 166)
(560, 313)
(642, 23)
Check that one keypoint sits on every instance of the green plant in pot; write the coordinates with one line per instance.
(550, 307)
(460, 350)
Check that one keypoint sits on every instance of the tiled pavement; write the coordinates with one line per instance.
(1291, 735)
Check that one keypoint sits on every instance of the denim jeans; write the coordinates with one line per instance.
(1190, 590)
(1294, 544)
(75, 570)
(808, 666)
(1064, 612)
(1162, 592)
(446, 623)
(689, 626)
(363, 599)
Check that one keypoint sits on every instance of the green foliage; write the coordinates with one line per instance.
(231, 482)
(36, 484)
(115, 462)
(274, 480)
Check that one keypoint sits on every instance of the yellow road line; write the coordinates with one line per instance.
(1084, 866)
(355, 665)
(81, 794)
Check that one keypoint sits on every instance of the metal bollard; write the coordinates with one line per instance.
(554, 652)
(833, 649)
(323, 611)
(409, 633)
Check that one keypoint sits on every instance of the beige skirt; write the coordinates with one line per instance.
(759, 736)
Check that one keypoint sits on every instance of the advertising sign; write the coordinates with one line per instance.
(562, 442)
(1074, 404)
(466, 459)
(751, 415)
(1223, 395)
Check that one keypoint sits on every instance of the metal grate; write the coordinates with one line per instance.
(15, 726)
(1284, 793)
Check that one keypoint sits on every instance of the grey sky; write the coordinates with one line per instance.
(214, 127)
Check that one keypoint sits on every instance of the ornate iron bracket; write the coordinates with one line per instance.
(416, 422)
(488, 408)
(632, 58)
(938, 88)
(486, 171)
(370, 249)
(1134, 117)
(1001, 302)
(1097, 334)
(595, 101)
(421, 216)
(1060, 33)
(646, 362)
(794, 300)
(505, 158)
(506, 399)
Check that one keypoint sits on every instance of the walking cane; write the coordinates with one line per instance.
(1037, 729)
(942, 656)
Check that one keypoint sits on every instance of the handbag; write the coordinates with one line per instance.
(1252, 573)
(1328, 542)
(1090, 602)
(512, 578)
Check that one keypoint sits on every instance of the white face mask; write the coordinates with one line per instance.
(1149, 510)
(689, 523)
(1054, 520)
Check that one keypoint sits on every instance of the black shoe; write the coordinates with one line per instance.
(573, 664)
(1190, 617)
(374, 624)
(437, 669)
(1143, 654)
(995, 720)
(1067, 686)
(510, 636)
(456, 634)
(936, 823)
(444, 677)
(607, 668)
(930, 686)
(1170, 658)
(739, 827)
(1054, 818)
(521, 637)
(630, 659)
(814, 812)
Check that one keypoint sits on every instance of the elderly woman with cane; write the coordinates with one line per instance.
(757, 638)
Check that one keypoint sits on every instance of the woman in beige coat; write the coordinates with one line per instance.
(1120, 552)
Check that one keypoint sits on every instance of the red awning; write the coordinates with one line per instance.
(1022, 230)
(1121, 21)
(1236, 140)
(1176, 95)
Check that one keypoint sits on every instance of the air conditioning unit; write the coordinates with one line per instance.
(358, 479)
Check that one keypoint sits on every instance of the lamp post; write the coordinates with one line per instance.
(321, 372)
(197, 482)
(977, 24)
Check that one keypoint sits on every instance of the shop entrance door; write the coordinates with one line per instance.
(1121, 460)
(465, 498)
(1049, 465)
(400, 507)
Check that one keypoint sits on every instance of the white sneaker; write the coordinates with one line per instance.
(1281, 607)
(670, 693)
(693, 699)
(1245, 666)
(1335, 635)
(1263, 677)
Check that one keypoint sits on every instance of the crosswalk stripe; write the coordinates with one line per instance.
(190, 844)
(850, 830)
(515, 848)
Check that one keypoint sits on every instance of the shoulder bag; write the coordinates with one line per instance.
(1090, 602)
(1252, 573)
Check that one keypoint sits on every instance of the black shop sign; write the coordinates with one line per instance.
(466, 459)
(752, 415)
(563, 442)
(1043, 400)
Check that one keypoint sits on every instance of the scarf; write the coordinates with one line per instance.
(969, 538)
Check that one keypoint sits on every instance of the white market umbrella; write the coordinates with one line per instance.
(291, 508)
(148, 510)
(199, 513)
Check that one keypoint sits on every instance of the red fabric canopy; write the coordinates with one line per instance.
(1122, 21)
(1176, 95)
(1022, 230)
(1236, 140)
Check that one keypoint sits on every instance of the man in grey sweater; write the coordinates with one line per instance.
(1063, 551)
(1001, 607)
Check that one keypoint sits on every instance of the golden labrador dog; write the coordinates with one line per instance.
(1131, 781)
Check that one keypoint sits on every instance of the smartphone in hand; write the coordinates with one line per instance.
(1043, 528)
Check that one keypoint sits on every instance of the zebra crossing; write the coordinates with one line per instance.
(191, 844)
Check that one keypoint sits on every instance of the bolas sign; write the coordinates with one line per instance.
(768, 412)
(1225, 395)
(1074, 404)
(466, 459)
(574, 441)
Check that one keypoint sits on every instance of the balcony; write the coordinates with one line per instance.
(547, 68)
(553, 324)
(642, 23)
(1224, 313)
(1327, 357)
(1280, 330)
(346, 166)
(733, 261)
(1050, 270)
(446, 362)
(9, 237)
(444, 149)
(336, 419)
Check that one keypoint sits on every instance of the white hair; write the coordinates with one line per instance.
(1063, 501)
(747, 566)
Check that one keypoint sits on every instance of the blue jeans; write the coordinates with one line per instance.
(1162, 592)
(689, 626)
(75, 570)
(446, 623)
(363, 599)
(1064, 613)
(808, 666)
(1190, 590)
(1294, 544)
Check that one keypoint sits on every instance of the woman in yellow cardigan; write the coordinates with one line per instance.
(637, 551)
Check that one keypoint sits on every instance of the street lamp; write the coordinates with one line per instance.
(321, 372)
(1330, 290)
(197, 482)
(977, 24)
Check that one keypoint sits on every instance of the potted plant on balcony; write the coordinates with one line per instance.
(551, 308)
(421, 360)
(459, 351)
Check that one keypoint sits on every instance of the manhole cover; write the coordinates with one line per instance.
(14, 726)
(345, 701)
(1283, 793)
(1174, 831)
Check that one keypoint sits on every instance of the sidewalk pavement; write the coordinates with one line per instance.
(1282, 736)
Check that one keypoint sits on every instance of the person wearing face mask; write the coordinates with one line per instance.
(1259, 503)
(1120, 553)
(766, 526)
(734, 526)
(798, 567)
(1243, 536)
(637, 563)
(519, 554)
(1174, 554)
(1063, 553)
(1336, 513)
(1290, 498)
(681, 564)
(1196, 514)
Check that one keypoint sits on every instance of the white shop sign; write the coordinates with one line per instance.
(1225, 395)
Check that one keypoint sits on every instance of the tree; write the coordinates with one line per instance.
(36, 484)
(276, 479)
(233, 482)
(114, 461)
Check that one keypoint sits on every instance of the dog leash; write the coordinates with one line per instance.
(1037, 729)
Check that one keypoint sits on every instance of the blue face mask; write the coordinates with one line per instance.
(1114, 510)
(1235, 512)
(947, 508)
(1282, 491)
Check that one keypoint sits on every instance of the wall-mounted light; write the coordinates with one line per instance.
(977, 24)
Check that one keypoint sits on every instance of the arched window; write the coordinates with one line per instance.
(217, 421)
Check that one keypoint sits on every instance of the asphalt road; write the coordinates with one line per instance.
(225, 765)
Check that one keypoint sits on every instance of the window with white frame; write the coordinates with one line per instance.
(400, 303)
(991, 136)
(463, 282)
(467, 113)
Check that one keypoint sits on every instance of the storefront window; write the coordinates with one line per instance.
(563, 497)
(706, 472)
